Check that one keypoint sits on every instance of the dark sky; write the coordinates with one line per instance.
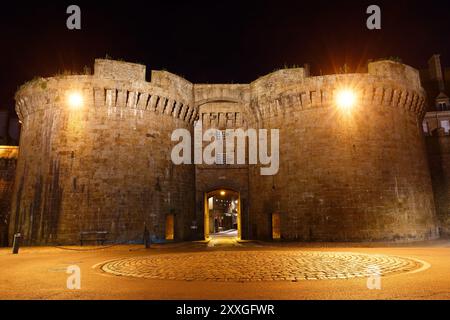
(215, 41)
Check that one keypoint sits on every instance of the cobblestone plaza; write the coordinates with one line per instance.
(250, 270)
(260, 266)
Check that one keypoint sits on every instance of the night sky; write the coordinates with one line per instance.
(216, 41)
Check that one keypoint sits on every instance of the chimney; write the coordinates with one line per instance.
(4, 117)
(435, 68)
(307, 69)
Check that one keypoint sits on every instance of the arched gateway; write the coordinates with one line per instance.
(222, 213)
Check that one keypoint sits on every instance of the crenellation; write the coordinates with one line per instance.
(177, 109)
(378, 95)
(131, 99)
(102, 94)
(160, 105)
(403, 99)
(397, 72)
(118, 70)
(415, 102)
(167, 106)
(195, 115)
(389, 94)
(184, 112)
(142, 100)
(152, 103)
(171, 107)
(308, 99)
(170, 104)
(121, 101)
(397, 97)
(275, 107)
(408, 100)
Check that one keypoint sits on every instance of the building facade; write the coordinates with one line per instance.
(436, 127)
(344, 175)
(8, 162)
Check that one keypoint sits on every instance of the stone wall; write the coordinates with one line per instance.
(8, 159)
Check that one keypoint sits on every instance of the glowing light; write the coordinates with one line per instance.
(222, 193)
(346, 99)
(75, 100)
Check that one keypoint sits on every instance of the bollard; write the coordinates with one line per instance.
(16, 243)
(146, 238)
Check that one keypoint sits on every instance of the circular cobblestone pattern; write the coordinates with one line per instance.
(260, 266)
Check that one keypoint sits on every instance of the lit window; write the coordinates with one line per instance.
(442, 106)
(445, 124)
(222, 157)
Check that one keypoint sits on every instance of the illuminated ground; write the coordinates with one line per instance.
(229, 270)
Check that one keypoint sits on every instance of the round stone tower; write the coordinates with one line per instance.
(346, 174)
(95, 156)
